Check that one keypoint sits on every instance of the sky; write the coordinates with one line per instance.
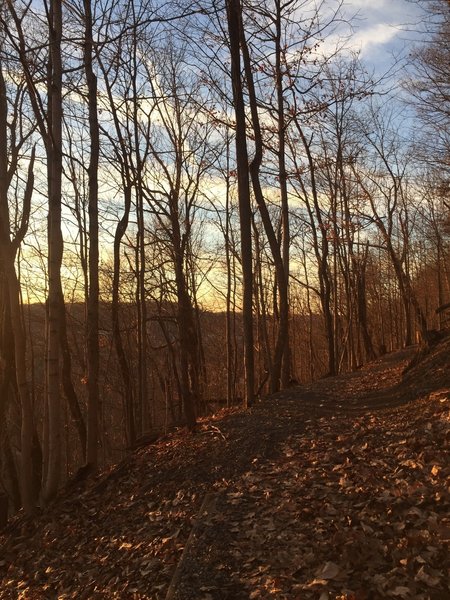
(384, 30)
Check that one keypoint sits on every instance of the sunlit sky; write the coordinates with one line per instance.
(384, 31)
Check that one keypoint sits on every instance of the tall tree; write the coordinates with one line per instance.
(49, 121)
(429, 83)
(255, 169)
(9, 246)
(93, 357)
(234, 19)
(116, 82)
(385, 185)
(53, 141)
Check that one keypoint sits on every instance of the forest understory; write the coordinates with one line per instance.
(334, 490)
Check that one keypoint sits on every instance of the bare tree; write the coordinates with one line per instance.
(181, 154)
(93, 357)
(385, 186)
(234, 20)
(10, 242)
(49, 122)
(429, 84)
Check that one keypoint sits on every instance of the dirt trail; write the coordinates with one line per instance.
(351, 502)
(337, 490)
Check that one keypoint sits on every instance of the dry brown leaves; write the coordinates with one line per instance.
(316, 496)
(354, 509)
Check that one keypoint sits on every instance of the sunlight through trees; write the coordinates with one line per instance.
(206, 203)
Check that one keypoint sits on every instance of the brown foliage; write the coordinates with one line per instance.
(337, 490)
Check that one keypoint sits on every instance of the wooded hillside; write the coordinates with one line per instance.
(201, 204)
(337, 490)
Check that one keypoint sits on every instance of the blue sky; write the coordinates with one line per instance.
(384, 30)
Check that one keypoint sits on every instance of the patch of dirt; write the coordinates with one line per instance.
(336, 490)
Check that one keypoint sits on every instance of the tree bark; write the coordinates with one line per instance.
(93, 351)
(55, 249)
(8, 250)
(255, 166)
(282, 174)
(245, 212)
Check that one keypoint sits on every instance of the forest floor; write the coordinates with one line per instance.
(335, 490)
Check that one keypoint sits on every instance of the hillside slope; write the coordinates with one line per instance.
(336, 490)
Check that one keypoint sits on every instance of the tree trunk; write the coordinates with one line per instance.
(8, 249)
(130, 429)
(245, 211)
(321, 250)
(93, 351)
(55, 250)
(282, 173)
(189, 373)
(255, 165)
(231, 391)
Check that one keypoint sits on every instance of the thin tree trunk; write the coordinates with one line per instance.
(93, 350)
(189, 375)
(362, 305)
(245, 212)
(285, 234)
(55, 249)
(130, 429)
(321, 250)
(261, 310)
(122, 154)
(229, 334)
(142, 393)
(255, 165)
(8, 251)
(69, 389)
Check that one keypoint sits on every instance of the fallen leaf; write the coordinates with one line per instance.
(426, 578)
(315, 582)
(330, 570)
(400, 591)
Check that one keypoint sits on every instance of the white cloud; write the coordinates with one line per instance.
(377, 34)
(383, 30)
(358, 4)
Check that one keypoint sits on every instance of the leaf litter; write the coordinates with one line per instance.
(338, 490)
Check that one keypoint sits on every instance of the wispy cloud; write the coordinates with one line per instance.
(378, 34)
(382, 29)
